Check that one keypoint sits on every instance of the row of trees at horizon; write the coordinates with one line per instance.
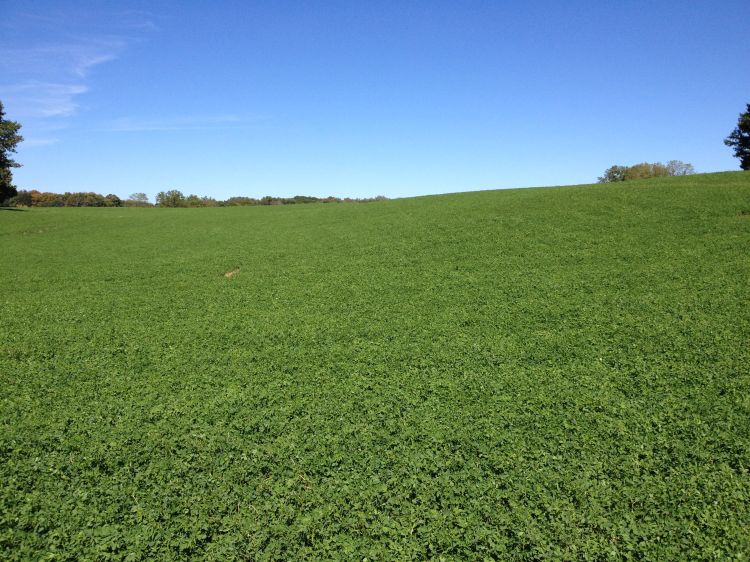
(36, 198)
(175, 198)
(172, 198)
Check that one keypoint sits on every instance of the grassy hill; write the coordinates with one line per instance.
(554, 373)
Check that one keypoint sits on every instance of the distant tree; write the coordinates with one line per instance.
(171, 198)
(196, 201)
(240, 201)
(112, 200)
(646, 170)
(39, 199)
(677, 168)
(46, 199)
(613, 174)
(83, 199)
(739, 139)
(9, 138)
(303, 199)
(21, 199)
(192, 200)
(137, 200)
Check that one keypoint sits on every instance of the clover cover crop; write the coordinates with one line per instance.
(556, 373)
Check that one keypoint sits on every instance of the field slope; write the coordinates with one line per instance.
(556, 373)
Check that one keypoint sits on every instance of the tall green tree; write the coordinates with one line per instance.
(739, 139)
(9, 138)
(171, 198)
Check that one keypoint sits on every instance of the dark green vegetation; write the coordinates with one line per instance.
(9, 139)
(527, 374)
(739, 139)
(646, 170)
(36, 198)
(173, 198)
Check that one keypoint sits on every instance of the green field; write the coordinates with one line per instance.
(532, 374)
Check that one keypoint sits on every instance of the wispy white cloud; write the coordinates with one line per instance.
(43, 99)
(60, 59)
(49, 78)
(43, 79)
(89, 61)
(138, 20)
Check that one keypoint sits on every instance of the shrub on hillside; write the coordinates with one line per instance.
(646, 170)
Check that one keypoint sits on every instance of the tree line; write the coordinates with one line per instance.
(36, 198)
(175, 198)
(172, 198)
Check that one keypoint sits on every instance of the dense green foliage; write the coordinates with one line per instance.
(646, 170)
(9, 139)
(739, 139)
(176, 198)
(528, 374)
(35, 198)
(172, 198)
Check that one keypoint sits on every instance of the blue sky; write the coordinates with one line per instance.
(366, 98)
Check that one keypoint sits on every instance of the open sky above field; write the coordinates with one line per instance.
(360, 99)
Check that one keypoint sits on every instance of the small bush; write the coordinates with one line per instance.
(646, 170)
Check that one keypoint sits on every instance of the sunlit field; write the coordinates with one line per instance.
(553, 373)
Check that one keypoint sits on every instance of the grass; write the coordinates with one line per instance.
(557, 373)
